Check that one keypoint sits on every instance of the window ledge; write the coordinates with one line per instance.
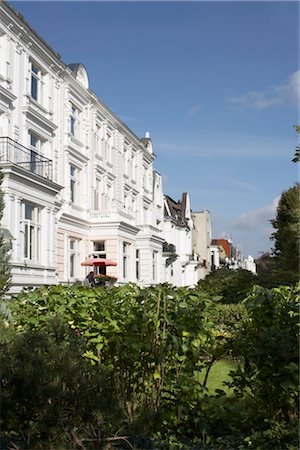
(37, 104)
(75, 140)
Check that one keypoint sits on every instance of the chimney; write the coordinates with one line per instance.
(147, 135)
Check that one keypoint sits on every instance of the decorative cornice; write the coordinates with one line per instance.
(43, 121)
(9, 95)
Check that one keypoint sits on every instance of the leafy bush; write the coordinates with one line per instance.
(231, 285)
(133, 359)
(50, 395)
(154, 342)
(269, 343)
(263, 411)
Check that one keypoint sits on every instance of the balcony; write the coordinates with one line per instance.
(15, 153)
(168, 249)
(98, 216)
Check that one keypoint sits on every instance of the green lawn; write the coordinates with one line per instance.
(219, 373)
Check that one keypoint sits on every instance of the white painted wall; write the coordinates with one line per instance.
(182, 271)
(119, 196)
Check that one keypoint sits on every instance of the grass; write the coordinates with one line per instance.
(220, 373)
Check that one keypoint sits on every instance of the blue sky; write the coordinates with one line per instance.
(217, 85)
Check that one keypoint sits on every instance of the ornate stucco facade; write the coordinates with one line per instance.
(77, 181)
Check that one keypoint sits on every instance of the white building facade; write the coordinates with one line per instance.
(202, 236)
(77, 181)
(180, 263)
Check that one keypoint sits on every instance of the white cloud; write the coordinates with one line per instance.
(288, 92)
(251, 220)
(251, 231)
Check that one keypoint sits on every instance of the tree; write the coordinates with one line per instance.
(262, 411)
(286, 234)
(4, 256)
(270, 274)
(269, 344)
(232, 285)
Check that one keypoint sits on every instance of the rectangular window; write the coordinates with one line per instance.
(34, 141)
(73, 121)
(32, 231)
(154, 265)
(35, 147)
(130, 165)
(97, 140)
(108, 197)
(125, 259)
(145, 212)
(133, 162)
(73, 257)
(134, 206)
(99, 246)
(125, 159)
(106, 151)
(73, 183)
(96, 196)
(99, 252)
(137, 264)
(35, 82)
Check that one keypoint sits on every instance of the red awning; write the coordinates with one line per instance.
(98, 262)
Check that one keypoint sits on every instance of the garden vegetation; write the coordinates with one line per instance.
(124, 367)
(131, 368)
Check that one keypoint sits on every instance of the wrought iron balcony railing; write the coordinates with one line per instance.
(169, 248)
(15, 153)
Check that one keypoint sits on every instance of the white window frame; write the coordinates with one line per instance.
(137, 264)
(154, 264)
(74, 120)
(97, 195)
(125, 159)
(36, 76)
(35, 142)
(31, 232)
(98, 140)
(99, 254)
(106, 150)
(73, 257)
(108, 197)
(35, 145)
(74, 182)
(125, 260)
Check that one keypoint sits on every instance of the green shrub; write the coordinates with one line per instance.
(79, 365)
(231, 285)
(50, 395)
